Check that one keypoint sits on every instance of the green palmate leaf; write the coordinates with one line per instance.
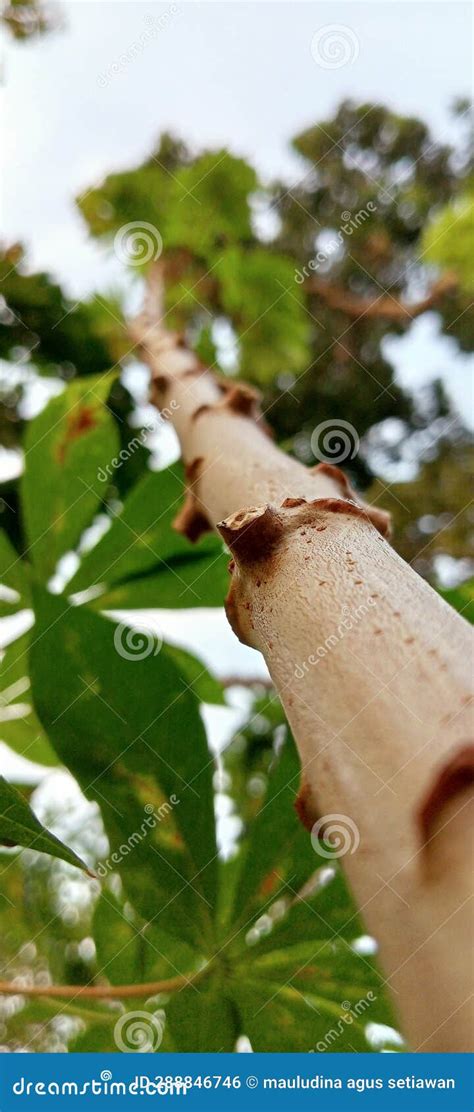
(19, 726)
(97, 1037)
(273, 833)
(277, 858)
(204, 1017)
(141, 1027)
(129, 729)
(293, 929)
(328, 967)
(205, 687)
(65, 448)
(196, 580)
(20, 827)
(142, 561)
(326, 911)
(281, 1018)
(130, 951)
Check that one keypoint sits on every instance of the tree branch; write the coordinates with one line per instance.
(383, 307)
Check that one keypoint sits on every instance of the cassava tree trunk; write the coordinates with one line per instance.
(372, 668)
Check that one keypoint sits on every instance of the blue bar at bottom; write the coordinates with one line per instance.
(332, 1081)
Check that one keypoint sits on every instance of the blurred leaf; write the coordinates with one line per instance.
(461, 598)
(65, 447)
(277, 862)
(448, 240)
(142, 561)
(130, 951)
(20, 827)
(200, 580)
(274, 832)
(259, 292)
(204, 1018)
(205, 687)
(14, 574)
(131, 734)
(60, 335)
(212, 204)
(149, 191)
(98, 1036)
(323, 909)
(196, 207)
(19, 726)
(284, 1019)
(297, 925)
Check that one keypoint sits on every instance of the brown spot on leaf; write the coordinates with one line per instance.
(79, 422)
(269, 883)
